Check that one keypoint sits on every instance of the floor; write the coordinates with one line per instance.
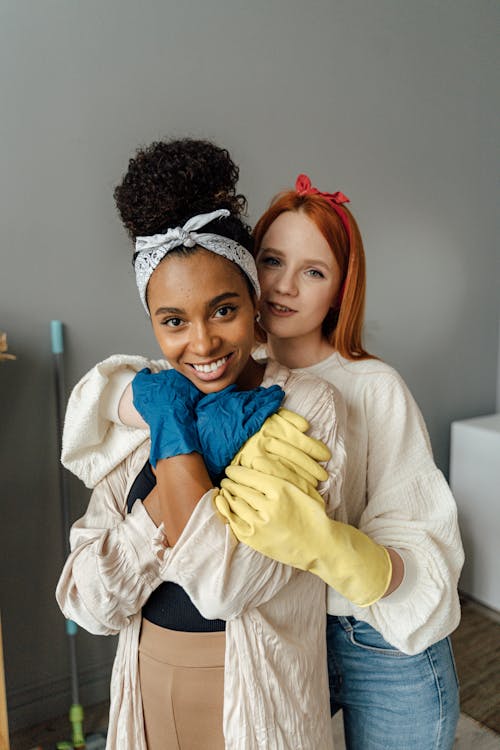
(476, 644)
(470, 735)
(477, 651)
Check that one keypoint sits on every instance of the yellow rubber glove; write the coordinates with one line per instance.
(278, 519)
(282, 436)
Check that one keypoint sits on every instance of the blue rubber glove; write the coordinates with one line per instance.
(166, 400)
(228, 418)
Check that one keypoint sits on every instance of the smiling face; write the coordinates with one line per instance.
(299, 278)
(203, 319)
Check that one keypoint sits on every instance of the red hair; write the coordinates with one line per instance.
(342, 326)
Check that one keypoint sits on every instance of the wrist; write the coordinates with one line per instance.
(354, 564)
(397, 571)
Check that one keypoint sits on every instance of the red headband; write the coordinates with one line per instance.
(303, 187)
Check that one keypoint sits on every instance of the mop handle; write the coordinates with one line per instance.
(57, 339)
(56, 335)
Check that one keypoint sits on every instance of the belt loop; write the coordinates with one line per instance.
(345, 623)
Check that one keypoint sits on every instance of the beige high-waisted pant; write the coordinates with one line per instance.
(182, 686)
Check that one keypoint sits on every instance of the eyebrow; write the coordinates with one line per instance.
(307, 261)
(212, 303)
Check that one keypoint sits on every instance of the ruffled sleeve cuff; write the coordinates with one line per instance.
(409, 581)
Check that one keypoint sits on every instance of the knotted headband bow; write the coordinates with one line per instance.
(152, 249)
(303, 187)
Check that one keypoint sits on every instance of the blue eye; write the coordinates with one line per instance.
(269, 261)
(315, 274)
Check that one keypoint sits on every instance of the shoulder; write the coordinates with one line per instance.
(365, 372)
(136, 362)
(312, 397)
(363, 380)
(392, 415)
(300, 386)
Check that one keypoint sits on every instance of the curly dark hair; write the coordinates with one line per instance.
(169, 181)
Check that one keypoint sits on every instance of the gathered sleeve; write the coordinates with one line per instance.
(113, 567)
(410, 508)
(222, 577)
(94, 440)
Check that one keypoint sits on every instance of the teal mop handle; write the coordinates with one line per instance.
(76, 710)
(57, 338)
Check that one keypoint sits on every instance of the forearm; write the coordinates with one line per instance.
(182, 481)
(127, 412)
(222, 577)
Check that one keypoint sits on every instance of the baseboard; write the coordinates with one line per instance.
(35, 703)
(492, 614)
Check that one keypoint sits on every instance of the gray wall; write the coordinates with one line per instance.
(391, 102)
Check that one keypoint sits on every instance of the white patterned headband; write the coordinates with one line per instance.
(151, 250)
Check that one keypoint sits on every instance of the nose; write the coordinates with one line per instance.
(203, 341)
(286, 283)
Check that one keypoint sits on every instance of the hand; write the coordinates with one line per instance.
(167, 401)
(283, 436)
(226, 419)
(264, 512)
(278, 519)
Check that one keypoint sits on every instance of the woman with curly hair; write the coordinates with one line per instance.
(219, 646)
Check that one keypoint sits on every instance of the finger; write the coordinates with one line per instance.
(253, 497)
(240, 528)
(306, 476)
(294, 419)
(222, 507)
(243, 516)
(275, 467)
(238, 513)
(293, 454)
(261, 412)
(285, 431)
(264, 487)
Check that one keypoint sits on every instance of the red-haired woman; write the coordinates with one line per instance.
(390, 664)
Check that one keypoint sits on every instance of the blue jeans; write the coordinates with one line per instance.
(390, 701)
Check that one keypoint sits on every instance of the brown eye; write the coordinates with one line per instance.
(172, 322)
(223, 312)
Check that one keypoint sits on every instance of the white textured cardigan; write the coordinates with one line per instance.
(395, 493)
(275, 681)
(393, 490)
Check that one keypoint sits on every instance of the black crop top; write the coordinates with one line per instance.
(169, 606)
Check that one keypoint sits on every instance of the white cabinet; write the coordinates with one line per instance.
(475, 482)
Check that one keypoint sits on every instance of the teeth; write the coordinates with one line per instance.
(212, 367)
(281, 308)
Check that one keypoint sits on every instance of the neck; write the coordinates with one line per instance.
(252, 375)
(302, 351)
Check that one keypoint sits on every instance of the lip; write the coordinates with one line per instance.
(207, 377)
(280, 313)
